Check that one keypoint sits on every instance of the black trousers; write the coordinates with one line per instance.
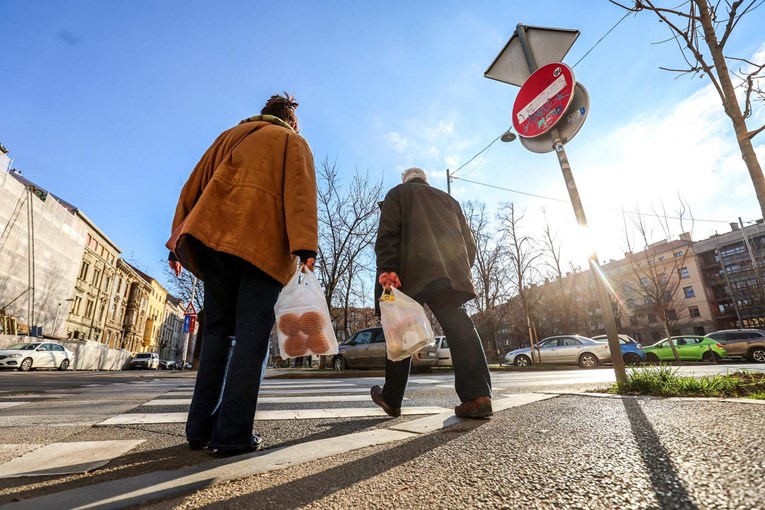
(471, 371)
(239, 315)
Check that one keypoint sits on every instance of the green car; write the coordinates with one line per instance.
(689, 347)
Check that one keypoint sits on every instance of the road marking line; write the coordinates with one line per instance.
(66, 458)
(165, 484)
(268, 400)
(6, 405)
(294, 414)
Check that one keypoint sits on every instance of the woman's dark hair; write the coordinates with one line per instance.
(282, 107)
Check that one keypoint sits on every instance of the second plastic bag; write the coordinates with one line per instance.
(407, 328)
(302, 318)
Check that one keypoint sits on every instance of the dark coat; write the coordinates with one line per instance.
(424, 237)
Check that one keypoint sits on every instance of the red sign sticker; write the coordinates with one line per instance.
(543, 99)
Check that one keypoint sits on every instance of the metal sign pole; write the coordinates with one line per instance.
(568, 177)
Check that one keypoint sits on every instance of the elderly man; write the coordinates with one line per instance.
(425, 247)
(246, 212)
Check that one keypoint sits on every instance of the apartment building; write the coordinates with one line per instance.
(172, 338)
(732, 271)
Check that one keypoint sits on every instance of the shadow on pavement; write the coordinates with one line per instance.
(307, 489)
(667, 486)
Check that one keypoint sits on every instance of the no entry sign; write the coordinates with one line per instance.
(543, 99)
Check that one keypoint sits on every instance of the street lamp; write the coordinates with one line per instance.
(508, 136)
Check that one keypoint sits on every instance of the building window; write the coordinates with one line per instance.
(96, 277)
(693, 311)
(633, 320)
(683, 271)
(661, 258)
(671, 314)
(76, 305)
(107, 280)
(699, 330)
(644, 281)
(651, 318)
(688, 291)
(84, 270)
(89, 309)
(678, 253)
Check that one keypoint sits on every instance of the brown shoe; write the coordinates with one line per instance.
(477, 408)
(377, 397)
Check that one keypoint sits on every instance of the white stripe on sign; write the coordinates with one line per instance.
(543, 97)
(66, 458)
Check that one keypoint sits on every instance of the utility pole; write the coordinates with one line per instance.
(448, 182)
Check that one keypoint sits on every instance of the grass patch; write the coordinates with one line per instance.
(663, 381)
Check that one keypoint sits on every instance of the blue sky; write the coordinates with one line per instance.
(110, 105)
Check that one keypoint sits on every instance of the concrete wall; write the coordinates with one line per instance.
(88, 355)
(59, 243)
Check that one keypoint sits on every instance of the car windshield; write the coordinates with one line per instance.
(22, 347)
(143, 356)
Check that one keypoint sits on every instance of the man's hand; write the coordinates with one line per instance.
(388, 279)
(175, 266)
(307, 263)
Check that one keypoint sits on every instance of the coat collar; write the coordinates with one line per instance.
(268, 118)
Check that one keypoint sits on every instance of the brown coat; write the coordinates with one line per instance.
(253, 195)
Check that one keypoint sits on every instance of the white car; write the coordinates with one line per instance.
(443, 352)
(28, 355)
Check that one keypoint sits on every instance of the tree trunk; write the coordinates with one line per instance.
(731, 106)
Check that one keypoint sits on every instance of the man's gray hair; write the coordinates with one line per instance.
(414, 173)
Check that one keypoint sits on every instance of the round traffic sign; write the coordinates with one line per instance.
(543, 99)
(574, 118)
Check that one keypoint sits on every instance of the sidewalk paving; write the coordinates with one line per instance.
(557, 451)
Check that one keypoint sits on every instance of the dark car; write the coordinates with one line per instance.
(167, 364)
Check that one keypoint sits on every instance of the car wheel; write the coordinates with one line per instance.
(757, 355)
(711, 356)
(522, 361)
(64, 365)
(651, 357)
(339, 363)
(588, 360)
(631, 358)
(26, 365)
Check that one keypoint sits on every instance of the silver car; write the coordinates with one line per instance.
(366, 349)
(564, 350)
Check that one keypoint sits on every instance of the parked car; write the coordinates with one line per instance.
(167, 364)
(563, 349)
(26, 356)
(632, 352)
(443, 352)
(366, 349)
(689, 348)
(745, 343)
(148, 360)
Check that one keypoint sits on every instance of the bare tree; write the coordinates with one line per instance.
(701, 30)
(659, 268)
(348, 219)
(181, 286)
(523, 255)
(491, 275)
(560, 303)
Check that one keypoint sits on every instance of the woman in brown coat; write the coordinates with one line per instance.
(248, 209)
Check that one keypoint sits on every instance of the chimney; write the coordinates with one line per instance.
(733, 226)
(685, 236)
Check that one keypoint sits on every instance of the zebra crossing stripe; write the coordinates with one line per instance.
(6, 405)
(66, 458)
(269, 400)
(293, 414)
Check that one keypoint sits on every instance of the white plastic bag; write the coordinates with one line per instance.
(407, 328)
(302, 318)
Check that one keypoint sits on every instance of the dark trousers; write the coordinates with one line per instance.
(239, 314)
(471, 372)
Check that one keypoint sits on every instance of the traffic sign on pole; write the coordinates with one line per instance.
(543, 99)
